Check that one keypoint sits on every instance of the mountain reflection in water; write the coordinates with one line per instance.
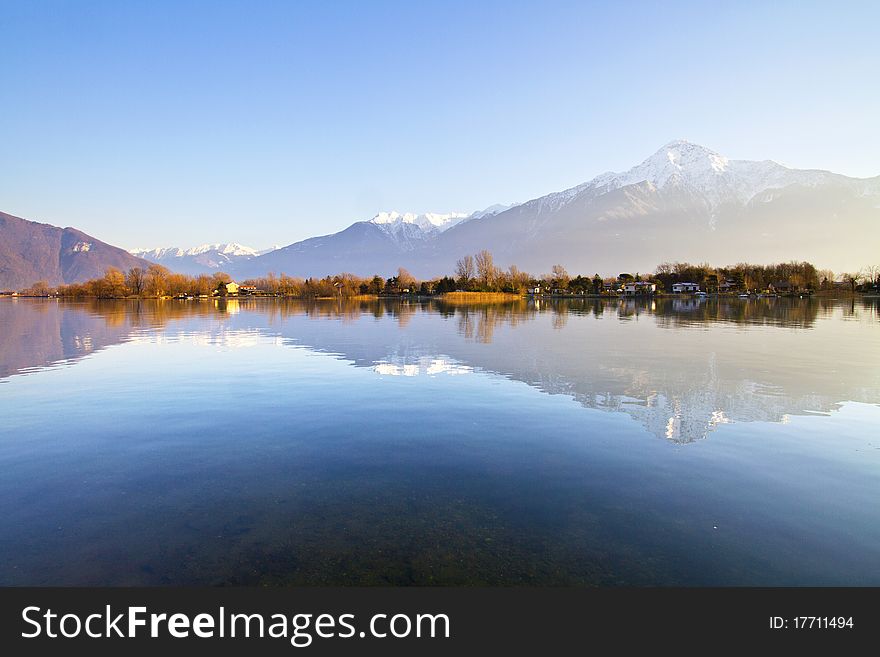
(680, 367)
(272, 442)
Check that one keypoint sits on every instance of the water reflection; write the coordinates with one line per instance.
(680, 367)
(268, 442)
(422, 366)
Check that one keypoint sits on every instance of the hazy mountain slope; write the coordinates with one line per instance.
(381, 245)
(362, 248)
(684, 202)
(31, 252)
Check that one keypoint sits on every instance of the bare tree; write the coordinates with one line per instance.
(405, 280)
(870, 274)
(464, 269)
(825, 278)
(114, 282)
(38, 289)
(203, 285)
(485, 267)
(136, 280)
(560, 276)
(156, 280)
(519, 280)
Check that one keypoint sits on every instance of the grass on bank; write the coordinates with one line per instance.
(479, 297)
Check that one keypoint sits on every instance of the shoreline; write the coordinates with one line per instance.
(452, 297)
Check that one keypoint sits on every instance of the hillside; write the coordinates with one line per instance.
(31, 252)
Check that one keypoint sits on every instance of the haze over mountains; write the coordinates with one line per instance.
(683, 203)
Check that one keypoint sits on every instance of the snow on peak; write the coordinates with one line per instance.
(429, 221)
(171, 251)
(432, 222)
(677, 162)
(226, 249)
(492, 210)
(409, 229)
(683, 155)
(697, 170)
(231, 248)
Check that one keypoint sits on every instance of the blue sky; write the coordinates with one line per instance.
(177, 123)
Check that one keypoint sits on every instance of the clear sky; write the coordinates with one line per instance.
(177, 123)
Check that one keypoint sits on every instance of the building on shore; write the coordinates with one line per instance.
(229, 289)
(685, 288)
(639, 288)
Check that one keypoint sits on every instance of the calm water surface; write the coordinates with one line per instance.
(591, 443)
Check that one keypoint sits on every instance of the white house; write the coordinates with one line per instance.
(684, 288)
(636, 288)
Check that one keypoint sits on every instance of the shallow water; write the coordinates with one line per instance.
(678, 442)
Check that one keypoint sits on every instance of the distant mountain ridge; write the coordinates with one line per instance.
(684, 202)
(203, 259)
(365, 246)
(411, 230)
(32, 252)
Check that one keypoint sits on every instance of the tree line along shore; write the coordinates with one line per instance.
(475, 276)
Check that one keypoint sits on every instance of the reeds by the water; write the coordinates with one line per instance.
(479, 297)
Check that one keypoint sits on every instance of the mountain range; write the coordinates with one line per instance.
(683, 203)
(204, 259)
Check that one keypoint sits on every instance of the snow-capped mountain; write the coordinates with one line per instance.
(703, 173)
(207, 258)
(231, 249)
(364, 246)
(685, 202)
(429, 222)
(408, 229)
(491, 210)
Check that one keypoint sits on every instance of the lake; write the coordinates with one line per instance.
(280, 442)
